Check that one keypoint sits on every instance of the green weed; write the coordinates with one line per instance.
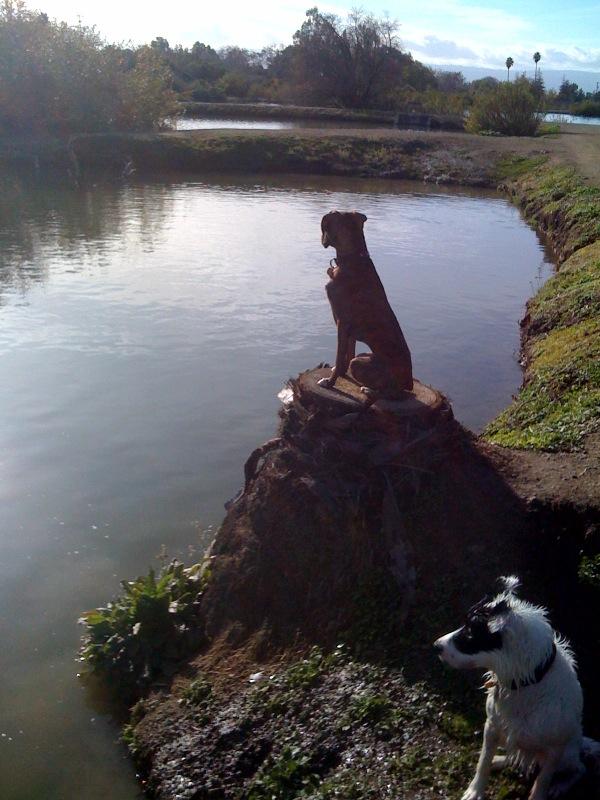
(288, 776)
(198, 692)
(147, 630)
(457, 726)
(589, 571)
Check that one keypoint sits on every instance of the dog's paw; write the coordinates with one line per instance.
(473, 794)
(325, 382)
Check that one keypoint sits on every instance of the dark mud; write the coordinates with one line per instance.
(332, 546)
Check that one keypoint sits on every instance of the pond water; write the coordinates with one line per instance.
(572, 118)
(193, 123)
(197, 123)
(145, 330)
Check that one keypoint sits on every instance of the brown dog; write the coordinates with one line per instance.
(362, 312)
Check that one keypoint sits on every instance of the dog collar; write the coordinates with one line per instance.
(539, 673)
(351, 256)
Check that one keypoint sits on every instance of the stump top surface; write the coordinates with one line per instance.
(347, 396)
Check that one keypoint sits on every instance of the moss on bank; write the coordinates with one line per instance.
(559, 403)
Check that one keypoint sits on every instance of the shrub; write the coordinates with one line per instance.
(587, 108)
(509, 109)
(147, 630)
(204, 92)
(234, 84)
(61, 79)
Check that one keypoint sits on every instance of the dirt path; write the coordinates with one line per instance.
(579, 145)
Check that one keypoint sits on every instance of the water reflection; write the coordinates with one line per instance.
(40, 226)
(145, 331)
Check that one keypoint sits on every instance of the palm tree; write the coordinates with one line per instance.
(509, 63)
(536, 58)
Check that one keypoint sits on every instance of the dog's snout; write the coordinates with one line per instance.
(438, 646)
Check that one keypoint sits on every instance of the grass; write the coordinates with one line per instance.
(285, 777)
(589, 571)
(549, 129)
(563, 206)
(372, 709)
(283, 692)
(513, 167)
(570, 296)
(457, 726)
(559, 404)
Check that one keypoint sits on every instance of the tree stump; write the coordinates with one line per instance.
(345, 397)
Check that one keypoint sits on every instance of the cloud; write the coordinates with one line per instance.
(571, 58)
(433, 47)
(187, 21)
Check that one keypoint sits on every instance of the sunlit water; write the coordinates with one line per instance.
(145, 331)
(198, 123)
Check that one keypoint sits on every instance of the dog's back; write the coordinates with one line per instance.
(356, 294)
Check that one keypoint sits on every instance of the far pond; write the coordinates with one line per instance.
(194, 123)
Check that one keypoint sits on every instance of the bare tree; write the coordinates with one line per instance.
(352, 63)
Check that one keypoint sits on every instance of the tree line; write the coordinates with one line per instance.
(59, 79)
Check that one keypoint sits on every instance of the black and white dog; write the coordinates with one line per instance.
(534, 700)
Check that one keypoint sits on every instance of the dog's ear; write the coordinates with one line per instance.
(509, 584)
(325, 224)
(498, 619)
(362, 217)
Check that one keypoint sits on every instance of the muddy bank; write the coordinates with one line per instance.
(368, 552)
(365, 539)
(439, 157)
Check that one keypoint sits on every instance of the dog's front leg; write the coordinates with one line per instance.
(342, 359)
(491, 740)
(548, 766)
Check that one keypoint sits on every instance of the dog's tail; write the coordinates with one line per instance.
(590, 755)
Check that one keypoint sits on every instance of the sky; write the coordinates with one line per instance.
(449, 32)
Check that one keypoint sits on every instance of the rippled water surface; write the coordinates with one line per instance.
(145, 330)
